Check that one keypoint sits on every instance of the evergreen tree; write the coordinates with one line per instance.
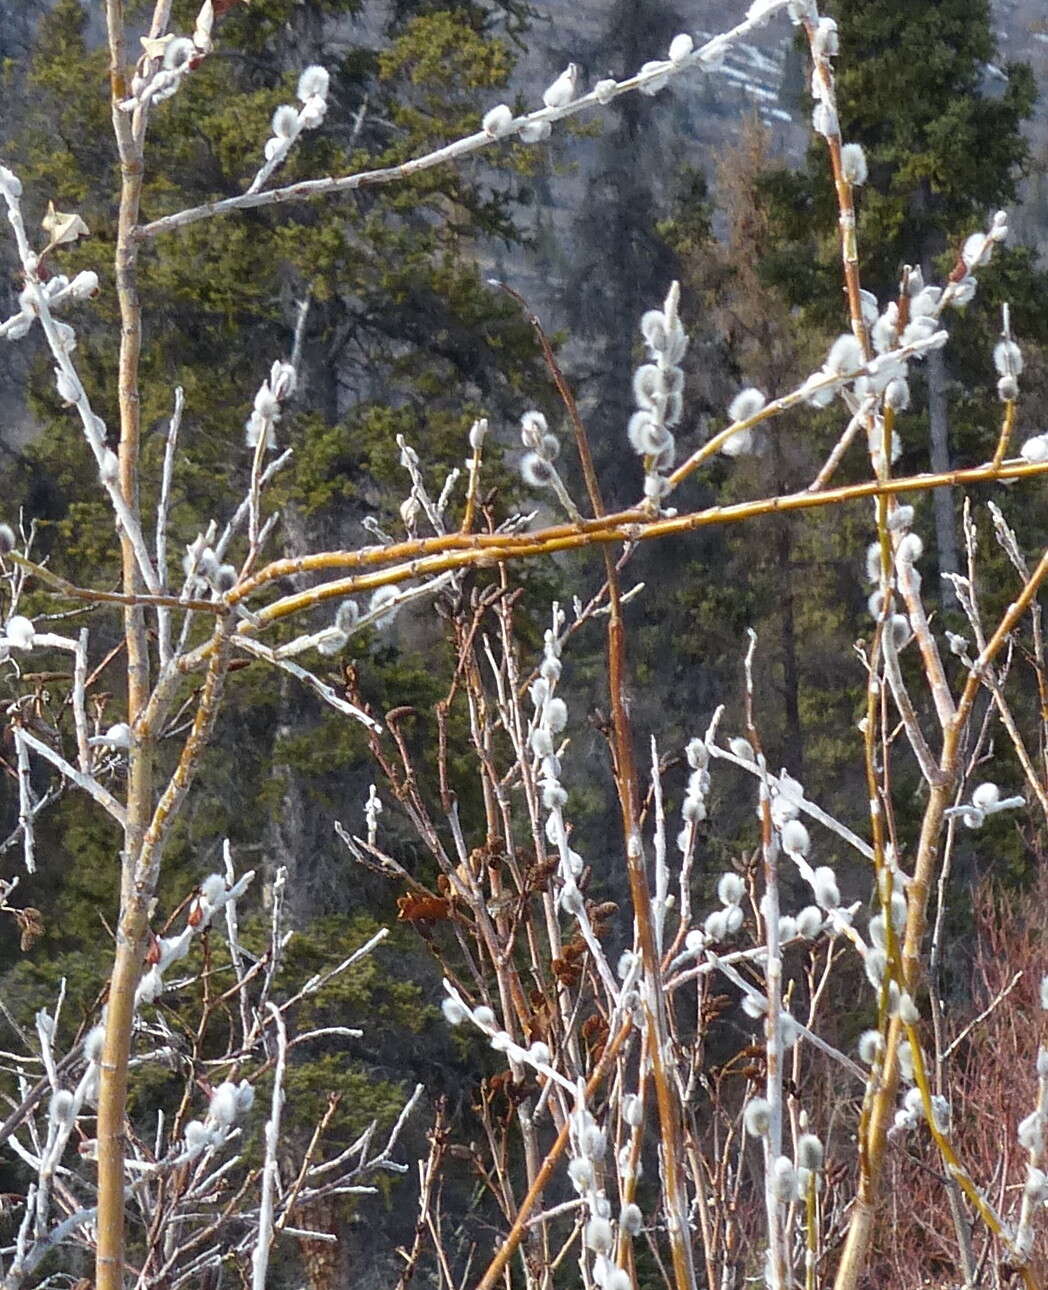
(402, 336)
(941, 126)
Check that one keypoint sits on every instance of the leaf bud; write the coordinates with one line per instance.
(746, 404)
(631, 1220)
(657, 77)
(827, 42)
(225, 578)
(562, 91)
(224, 1106)
(535, 470)
(196, 1136)
(845, 355)
(897, 394)
(795, 838)
(716, 926)
(1035, 450)
(784, 1179)
(285, 122)
(681, 48)
(1008, 358)
(63, 1107)
(580, 1171)
(20, 632)
(757, 1117)
(906, 1067)
(498, 121)
(853, 164)
(453, 1010)
(598, 1234)
(1031, 1132)
(313, 83)
(556, 715)
(178, 54)
(535, 131)
(809, 1152)
(986, 796)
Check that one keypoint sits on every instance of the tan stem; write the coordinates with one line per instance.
(882, 1102)
(134, 902)
(476, 549)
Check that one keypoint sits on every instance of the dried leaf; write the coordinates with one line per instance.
(204, 23)
(413, 908)
(62, 227)
(31, 925)
(154, 46)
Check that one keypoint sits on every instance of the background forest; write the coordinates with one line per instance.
(387, 296)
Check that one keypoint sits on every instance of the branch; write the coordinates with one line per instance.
(88, 783)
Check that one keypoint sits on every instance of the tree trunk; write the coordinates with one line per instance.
(942, 498)
(791, 685)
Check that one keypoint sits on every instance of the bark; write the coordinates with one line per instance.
(942, 498)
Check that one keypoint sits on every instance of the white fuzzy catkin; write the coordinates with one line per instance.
(1035, 450)
(285, 122)
(225, 1105)
(809, 1152)
(795, 837)
(598, 1234)
(827, 41)
(824, 888)
(746, 404)
(986, 796)
(631, 1219)
(498, 121)
(562, 91)
(845, 355)
(853, 164)
(784, 1179)
(313, 83)
(681, 48)
(658, 388)
(535, 131)
(757, 1117)
(454, 1012)
(20, 632)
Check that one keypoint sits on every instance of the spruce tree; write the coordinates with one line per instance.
(941, 124)
(402, 335)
